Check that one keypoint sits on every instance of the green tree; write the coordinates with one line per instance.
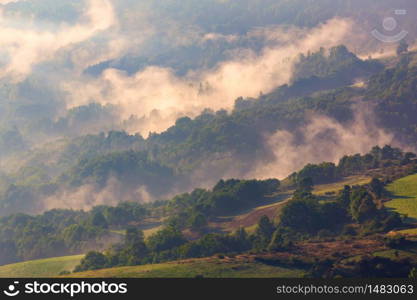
(362, 206)
(99, 220)
(242, 241)
(281, 239)
(344, 196)
(377, 187)
(92, 261)
(198, 222)
(135, 250)
(264, 232)
(305, 184)
(166, 239)
(302, 215)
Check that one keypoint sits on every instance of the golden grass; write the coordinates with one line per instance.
(209, 268)
(322, 189)
(50, 267)
(404, 193)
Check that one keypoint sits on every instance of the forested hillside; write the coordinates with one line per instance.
(141, 132)
(224, 144)
(190, 224)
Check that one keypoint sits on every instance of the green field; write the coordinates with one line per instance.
(322, 189)
(412, 231)
(409, 253)
(148, 232)
(50, 267)
(394, 254)
(404, 193)
(210, 268)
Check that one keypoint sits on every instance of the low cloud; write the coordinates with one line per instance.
(323, 139)
(158, 91)
(89, 195)
(22, 47)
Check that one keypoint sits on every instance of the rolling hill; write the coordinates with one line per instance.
(284, 264)
(50, 267)
(404, 193)
(213, 267)
(404, 201)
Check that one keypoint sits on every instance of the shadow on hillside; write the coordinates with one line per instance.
(269, 200)
(394, 197)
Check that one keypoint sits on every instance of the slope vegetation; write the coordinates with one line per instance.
(404, 193)
(50, 267)
(213, 267)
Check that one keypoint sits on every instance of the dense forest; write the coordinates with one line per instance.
(203, 148)
(63, 232)
(141, 132)
(356, 211)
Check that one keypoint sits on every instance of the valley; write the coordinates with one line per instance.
(296, 261)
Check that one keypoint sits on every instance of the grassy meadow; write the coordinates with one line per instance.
(50, 267)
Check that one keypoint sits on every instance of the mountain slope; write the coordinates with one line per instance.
(239, 267)
(50, 267)
(404, 193)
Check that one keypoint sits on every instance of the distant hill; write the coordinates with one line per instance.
(229, 19)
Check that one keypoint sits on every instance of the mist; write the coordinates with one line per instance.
(31, 45)
(159, 97)
(88, 196)
(323, 139)
(44, 72)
